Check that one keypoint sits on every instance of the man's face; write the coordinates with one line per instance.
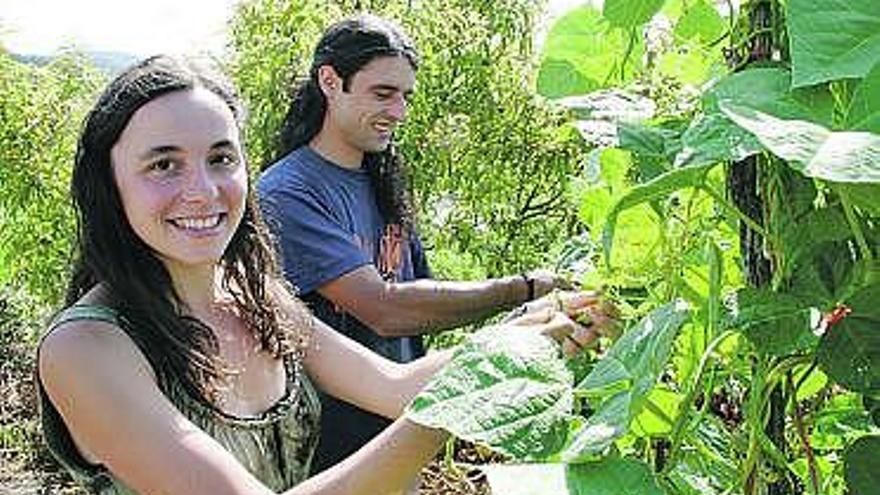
(364, 116)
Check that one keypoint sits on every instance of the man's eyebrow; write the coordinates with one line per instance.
(224, 143)
(386, 87)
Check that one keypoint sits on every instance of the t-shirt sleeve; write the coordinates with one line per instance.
(315, 248)
(421, 269)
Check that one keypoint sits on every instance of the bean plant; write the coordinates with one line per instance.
(729, 202)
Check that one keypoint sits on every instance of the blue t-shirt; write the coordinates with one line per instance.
(327, 223)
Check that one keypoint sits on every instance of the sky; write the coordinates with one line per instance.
(142, 27)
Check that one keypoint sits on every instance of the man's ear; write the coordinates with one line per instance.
(329, 80)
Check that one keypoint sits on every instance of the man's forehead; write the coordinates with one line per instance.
(392, 72)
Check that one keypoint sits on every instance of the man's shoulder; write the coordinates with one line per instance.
(292, 171)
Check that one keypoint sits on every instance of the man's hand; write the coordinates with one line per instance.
(574, 319)
(545, 281)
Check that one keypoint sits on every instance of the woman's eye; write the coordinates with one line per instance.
(162, 165)
(223, 160)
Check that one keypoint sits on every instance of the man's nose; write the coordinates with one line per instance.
(397, 109)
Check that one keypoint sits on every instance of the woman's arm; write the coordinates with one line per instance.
(106, 393)
(104, 389)
(349, 371)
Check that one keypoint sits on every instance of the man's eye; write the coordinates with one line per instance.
(383, 95)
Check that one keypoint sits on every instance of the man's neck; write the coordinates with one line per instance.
(335, 150)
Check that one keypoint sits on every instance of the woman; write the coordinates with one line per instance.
(183, 365)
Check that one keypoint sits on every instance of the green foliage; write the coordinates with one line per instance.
(862, 460)
(832, 39)
(474, 128)
(837, 156)
(700, 21)
(630, 13)
(40, 111)
(621, 382)
(502, 388)
(611, 476)
(583, 53)
(863, 113)
(850, 350)
(271, 45)
(776, 324)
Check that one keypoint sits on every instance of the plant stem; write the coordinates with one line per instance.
(864, 249)
(682, 418)
(733, 209)
(802, 435)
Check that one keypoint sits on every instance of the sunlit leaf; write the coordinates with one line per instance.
(611, 476)
(839, 422)
(503, 388)
(630, 13)
(583, 53)
(832, 39)
(624, 378)
(864, 109)
(812, 149)
(713, 137)
(702, 21)
(659, 187)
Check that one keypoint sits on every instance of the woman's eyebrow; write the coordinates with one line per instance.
(159, 150)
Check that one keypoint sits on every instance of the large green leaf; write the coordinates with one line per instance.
(768, 89)
(630, 13)
(582, 53)
(657, 188)
(701, 21)
(506, 389)
(812, 149)
(624, 378)
(864, 109)
(865, 196)
(776, 324)
(850, 350)
(823, 274)
(804, 234)
(839, 422)
(707, 464)
(611, 476)
(832, 39)
(862, 461)
(712, 137)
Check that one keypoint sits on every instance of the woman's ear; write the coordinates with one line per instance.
(329, 80)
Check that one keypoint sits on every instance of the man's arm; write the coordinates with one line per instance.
(411, 308)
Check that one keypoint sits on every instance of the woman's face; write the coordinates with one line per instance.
(181, 176)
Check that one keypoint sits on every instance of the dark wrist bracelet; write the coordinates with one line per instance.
(530, 286)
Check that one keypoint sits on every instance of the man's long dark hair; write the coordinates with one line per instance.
(348, 46)
(111, 253)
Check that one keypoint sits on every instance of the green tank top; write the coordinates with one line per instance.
(276, 446)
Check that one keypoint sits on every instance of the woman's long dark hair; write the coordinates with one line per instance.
(348, 46)
(110, 253)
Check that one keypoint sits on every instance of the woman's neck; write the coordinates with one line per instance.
(199, 288)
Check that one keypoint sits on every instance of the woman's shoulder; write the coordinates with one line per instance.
(88, 335)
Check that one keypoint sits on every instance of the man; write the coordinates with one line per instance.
(337, 201)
